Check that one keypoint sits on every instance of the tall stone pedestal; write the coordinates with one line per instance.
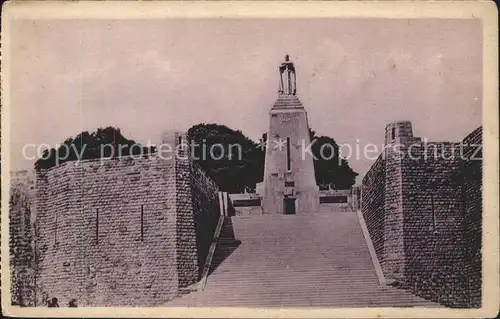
(289, 185)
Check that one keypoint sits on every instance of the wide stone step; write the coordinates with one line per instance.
(317, 260)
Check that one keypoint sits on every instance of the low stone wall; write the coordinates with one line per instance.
(246, 204)
(244, 197)
(333, 208)
(336, 200)
(330, 201)
(248, 211)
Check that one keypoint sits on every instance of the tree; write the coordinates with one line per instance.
(330, 168)
(105, 142)
(232, 160)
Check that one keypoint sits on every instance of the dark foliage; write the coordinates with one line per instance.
(105, 142)
(333, 172)
(239, 168)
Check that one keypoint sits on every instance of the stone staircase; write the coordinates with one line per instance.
(319, 260)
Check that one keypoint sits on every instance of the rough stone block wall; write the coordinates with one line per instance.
(393, 262)
(187, 253)
(473, 196)
(206, 211)
(433, 224)
(430, 215)
(91, 243)
(21, 252)
(372, 204)
(197, 213)
(124, 231)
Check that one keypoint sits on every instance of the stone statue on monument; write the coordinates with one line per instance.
(288, 77)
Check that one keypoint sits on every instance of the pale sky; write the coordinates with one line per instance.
(147, 76)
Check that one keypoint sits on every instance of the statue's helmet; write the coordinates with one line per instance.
(287, 57)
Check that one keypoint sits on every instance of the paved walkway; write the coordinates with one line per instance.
(297, 261)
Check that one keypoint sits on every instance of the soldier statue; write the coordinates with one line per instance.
(288, 83)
